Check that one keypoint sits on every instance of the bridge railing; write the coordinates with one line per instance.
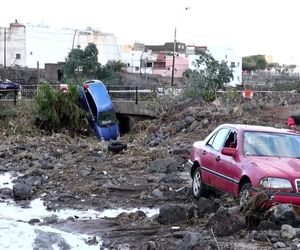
(131, 93)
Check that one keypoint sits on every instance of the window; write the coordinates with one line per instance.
(238, 64)
(238, 78)
(231, 140)
(107, 118)
(149, 64)
(232, 64)
(225, 56)
(137, 68)
(218, 139)
(271, 144)
(18, 56)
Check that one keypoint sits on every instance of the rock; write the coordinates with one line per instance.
(33, 221)
(287, 232)
(206, 206)
(190, 241)
(6, 193)
(279, 244)
(189, 120)
(167, 165)
(172, 177)
(106, 243)
(225, 223)
(205, 123)
(157, 193)
(51, 219)
(91, 241)
(139, 214)
(180, 150)
(170, 214)
(85, 172)
(283, 214)
(193, 126)
(238, 110)
(22, 191)
(152, 245)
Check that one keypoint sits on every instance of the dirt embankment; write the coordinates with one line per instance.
(81, 173)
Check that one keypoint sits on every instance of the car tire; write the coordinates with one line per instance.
(245, 193)
(198, 185)
(116, 146)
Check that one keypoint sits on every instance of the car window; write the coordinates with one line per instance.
(219, 138)
(231, 141)
(211, 140)
(271, 144)
(107, 118)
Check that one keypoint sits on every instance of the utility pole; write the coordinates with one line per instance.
(4, 61)
(173, 63)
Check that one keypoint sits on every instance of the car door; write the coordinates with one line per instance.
(209, 154)
(227, 167)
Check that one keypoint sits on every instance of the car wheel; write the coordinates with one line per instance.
(198, 185)
(245, 193)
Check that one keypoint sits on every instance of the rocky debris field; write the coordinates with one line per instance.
(80, 173)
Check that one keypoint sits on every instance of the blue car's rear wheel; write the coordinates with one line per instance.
(198, 185)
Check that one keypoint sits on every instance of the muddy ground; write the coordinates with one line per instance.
(81, 173)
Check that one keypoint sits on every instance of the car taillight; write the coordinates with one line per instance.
(86, 86)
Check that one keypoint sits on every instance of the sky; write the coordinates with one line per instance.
(249, 27)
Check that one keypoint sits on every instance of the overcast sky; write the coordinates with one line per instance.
(249, 27)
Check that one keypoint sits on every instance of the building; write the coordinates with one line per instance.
(155, 59)
(221, 54)
(13, 45)
(34, 46)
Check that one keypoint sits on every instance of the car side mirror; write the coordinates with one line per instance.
(228, 151)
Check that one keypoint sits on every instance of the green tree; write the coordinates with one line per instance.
(209, 76)
(82, 63)
(255, 62)
(57, 110)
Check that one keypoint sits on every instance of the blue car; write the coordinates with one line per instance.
(96, 101)
(9, 89)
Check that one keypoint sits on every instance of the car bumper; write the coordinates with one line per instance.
(283, 197)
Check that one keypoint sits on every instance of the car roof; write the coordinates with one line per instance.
(100, 96)
(257, 128)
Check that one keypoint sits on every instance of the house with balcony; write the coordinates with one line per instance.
(156, 59)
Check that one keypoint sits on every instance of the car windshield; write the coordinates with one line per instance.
(271, 144)
(107, 118)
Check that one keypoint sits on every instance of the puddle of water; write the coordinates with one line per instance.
(21, 235)
(6, 180)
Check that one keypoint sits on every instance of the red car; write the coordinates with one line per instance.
(238, 158)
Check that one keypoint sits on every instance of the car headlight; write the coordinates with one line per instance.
(276, 183)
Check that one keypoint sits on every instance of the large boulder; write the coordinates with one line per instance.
(174, 214)
(281, 214)
(226, 221)
(22, 191)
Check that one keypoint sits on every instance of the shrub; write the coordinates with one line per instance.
(57, 110)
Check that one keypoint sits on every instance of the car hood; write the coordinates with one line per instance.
(276, 166)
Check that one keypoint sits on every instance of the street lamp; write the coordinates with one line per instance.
(174, 49)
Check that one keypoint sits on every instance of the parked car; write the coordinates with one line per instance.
(95, 100)
(9, 90)
(238, 158)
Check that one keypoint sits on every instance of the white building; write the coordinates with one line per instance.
(33, 46)
(221, 53)
(13, 45)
